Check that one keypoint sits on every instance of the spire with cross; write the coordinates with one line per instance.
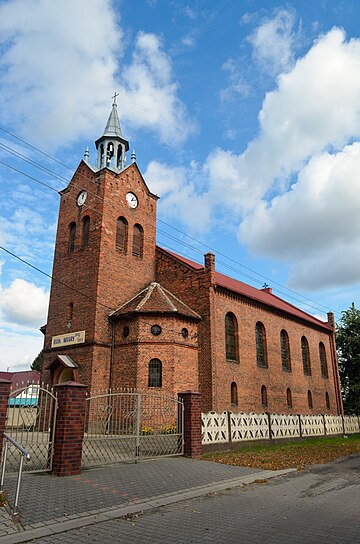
(112, 146)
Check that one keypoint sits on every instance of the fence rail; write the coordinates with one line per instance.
(228, 427)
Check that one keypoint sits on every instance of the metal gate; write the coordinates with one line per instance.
(122, 426)
(31, 420)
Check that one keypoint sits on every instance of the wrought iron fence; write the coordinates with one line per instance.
(31, 420)
(128, 425)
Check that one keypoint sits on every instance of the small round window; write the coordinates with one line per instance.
(126, 331)
(156, 330)
(184, 333)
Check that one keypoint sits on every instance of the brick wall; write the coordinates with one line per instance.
(102, 278)
(250, 378)
(69, 430)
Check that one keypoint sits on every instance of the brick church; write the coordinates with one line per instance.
(124, 312)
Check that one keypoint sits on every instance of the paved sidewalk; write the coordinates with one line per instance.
(51, 505)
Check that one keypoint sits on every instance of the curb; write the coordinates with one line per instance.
(139, 506)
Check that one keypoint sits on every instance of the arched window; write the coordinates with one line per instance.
(85, 230)
(232, 352)
(323, 361)
(234, 394)
(155, 373)
(264, 398)
(138, 241)
(289, 398)
(310, 401)
(285, 351)
(305, 356)
(72, 234)
(121, 235)
(327, 400)
(261, 352)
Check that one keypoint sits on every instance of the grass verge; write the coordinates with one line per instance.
(295, 454)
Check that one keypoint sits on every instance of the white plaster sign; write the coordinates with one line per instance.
(68, 339)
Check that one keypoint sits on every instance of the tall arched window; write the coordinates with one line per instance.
(155, 373)
(138, 241)
(261, 351)
(72, 234)
(327, 400)
(289, 398)
(234, 394)
(305, 356)
(85, 230)
(231, 341)
(121, 235)
(310, 401)
(323, 361)
(285, 351)
(264, 398)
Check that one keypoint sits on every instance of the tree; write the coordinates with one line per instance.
(348, 345)
(37, 362)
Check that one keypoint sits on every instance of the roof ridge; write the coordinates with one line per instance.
(150, 289)
(164, 294)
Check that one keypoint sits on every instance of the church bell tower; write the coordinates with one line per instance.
(104, 255)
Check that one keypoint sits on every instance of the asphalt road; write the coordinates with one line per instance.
(319, 505)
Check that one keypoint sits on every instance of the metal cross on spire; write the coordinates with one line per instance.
(114, 98)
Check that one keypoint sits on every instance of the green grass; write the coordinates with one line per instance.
(294, 453)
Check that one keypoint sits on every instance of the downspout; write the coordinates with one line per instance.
(335, 365)
(112, 352)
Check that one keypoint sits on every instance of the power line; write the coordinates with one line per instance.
(318, 306)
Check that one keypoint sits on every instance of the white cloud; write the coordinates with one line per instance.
(315, 106)
(238, 84)
(149, 95)
(24, 304)
(180, 190)
(273, 42)
(58, 59)
(18, 350)
(315, 224)
(59, 66)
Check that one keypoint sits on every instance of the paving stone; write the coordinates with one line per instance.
(303, 508)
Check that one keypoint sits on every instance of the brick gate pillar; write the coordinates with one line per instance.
(5, 386)
(192, 423)
(69, 431)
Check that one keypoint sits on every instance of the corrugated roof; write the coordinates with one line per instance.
(258, 295)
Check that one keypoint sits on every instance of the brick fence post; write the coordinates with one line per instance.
(69, 431)
(5, 386)
(192, 423)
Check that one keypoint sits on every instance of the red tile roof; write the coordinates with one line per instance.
(259, 295)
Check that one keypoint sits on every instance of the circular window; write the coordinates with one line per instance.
(126, 331)
(156, 330)
(184, 333)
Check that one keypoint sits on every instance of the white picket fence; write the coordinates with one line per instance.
(229, 427)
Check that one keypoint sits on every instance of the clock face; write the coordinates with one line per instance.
(81, 198)
(132, 200)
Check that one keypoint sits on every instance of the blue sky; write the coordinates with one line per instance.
(245, 117)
